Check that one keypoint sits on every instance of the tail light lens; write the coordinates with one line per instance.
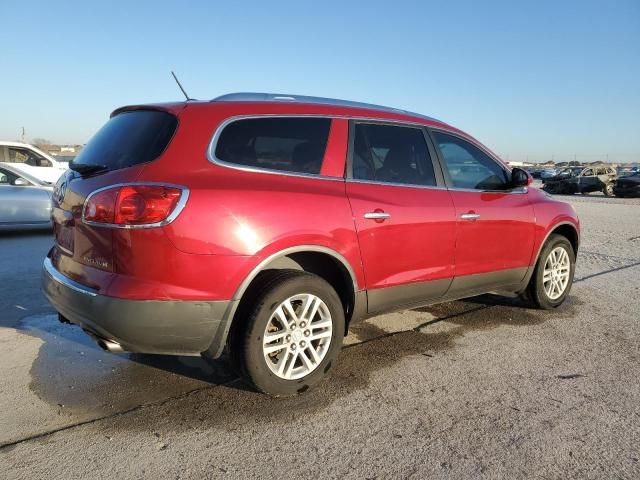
(130, 206)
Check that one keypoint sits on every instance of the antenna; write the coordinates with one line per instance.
(180, 85)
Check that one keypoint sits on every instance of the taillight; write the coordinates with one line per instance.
(134, 205)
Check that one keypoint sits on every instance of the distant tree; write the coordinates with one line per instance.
(41, 141)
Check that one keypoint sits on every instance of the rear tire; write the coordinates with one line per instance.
(553, 274)
(304, 318)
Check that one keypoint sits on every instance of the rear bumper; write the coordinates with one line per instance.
(145, 326)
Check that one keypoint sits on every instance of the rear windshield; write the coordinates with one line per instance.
(128, 139)
(286, 144)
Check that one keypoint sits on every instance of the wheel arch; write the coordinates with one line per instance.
(565, 228)
(319, 260)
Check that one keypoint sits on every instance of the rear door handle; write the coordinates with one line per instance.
(470, 216)
(377, 215)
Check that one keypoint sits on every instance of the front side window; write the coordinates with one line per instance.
(391, 154)
(468, 166)
(294, 145)
(28, 157)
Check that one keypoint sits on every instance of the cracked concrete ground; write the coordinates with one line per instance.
(476, 388)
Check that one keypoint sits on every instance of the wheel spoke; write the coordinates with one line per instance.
(288, 352)
(272, 337)
(307, 304)
(306, 360)
(323, 334)
(321, 324)
(290, 365)
(314, 354)
(279, 313)
(289, 308)
(282, 363)
(273, 348)
(314, 309)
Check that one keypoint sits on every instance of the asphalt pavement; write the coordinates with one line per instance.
(477, 388)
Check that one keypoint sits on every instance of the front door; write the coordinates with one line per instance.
(495, 224)
(404, 216)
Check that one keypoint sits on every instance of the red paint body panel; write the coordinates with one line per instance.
(503, 236)
(236, 218)
(416, 244)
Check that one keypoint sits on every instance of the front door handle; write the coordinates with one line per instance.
(377, 215)
(470, 216)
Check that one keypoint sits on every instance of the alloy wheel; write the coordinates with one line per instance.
(555, 276)
(297, 336)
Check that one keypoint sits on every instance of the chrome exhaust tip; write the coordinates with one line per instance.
(110, 346)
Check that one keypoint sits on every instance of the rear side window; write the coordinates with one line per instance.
(286, 144)
(391, 154)
(128, 139)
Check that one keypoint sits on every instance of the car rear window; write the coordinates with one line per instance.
(286, 144)
(128, 139)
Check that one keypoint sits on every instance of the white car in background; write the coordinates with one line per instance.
(32, 161)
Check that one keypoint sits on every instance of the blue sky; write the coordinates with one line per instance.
(527, 78)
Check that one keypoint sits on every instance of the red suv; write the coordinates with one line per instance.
(269, 223)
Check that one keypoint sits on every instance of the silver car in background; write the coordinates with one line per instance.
(25, 201)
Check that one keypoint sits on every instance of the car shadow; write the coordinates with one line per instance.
(72, 372)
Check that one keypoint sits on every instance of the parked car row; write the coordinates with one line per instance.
(588, 179)
(581, 179)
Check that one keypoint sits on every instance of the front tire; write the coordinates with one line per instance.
(292, 333)
(608, 190)
(553, 275)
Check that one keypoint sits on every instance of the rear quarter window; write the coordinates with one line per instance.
(294, 145)
(128, 139)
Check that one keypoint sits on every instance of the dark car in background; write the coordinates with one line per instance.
(582, 179)
(628, 186)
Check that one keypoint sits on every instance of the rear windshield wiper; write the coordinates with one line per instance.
(87, 168)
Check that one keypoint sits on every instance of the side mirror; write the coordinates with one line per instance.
(20, 182)
(520, 178)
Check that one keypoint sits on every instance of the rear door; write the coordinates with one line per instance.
(495, 224)
(589, 181)
(404, 216)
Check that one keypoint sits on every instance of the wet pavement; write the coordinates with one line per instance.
(482, 387)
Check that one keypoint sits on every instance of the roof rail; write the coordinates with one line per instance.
(283, 97)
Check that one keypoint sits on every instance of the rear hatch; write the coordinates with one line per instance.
(84, 251)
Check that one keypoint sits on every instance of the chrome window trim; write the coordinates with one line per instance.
(66, 281)
(517, 191)
(213, 143)
(392, 184)
(211, 148)
(176, 211)
(428, 144)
